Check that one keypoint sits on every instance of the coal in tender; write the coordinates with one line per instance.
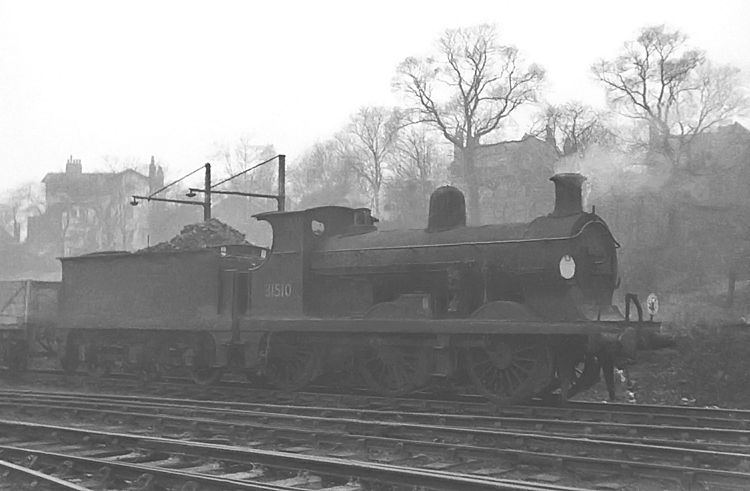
(196, 236)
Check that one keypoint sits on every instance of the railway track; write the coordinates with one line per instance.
(577, 453)
(87, 459)
(471, 406)
(711, 433)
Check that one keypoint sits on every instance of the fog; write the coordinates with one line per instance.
(677, 208)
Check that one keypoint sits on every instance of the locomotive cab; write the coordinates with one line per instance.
(285, 284)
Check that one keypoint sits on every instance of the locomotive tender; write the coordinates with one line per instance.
(516, 310)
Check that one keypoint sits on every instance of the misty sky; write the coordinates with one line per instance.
(167, 78)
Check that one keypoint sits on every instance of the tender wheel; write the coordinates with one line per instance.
(394, 370)
(509, 370)
(291, 364)
(203, 375)
(96, 367)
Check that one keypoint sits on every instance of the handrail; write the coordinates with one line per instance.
(480, 243)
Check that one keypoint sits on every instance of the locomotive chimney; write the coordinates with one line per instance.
(447, 209)
(568, 194)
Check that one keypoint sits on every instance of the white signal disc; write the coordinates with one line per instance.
(567, 267)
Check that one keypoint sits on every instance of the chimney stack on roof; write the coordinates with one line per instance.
(73, 166)
(155, 176)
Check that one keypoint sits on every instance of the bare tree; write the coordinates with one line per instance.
(111, 222)
(418, 156)
(369, 142)
(467, 91)
(116, 164)
(573, 127)
(674, 91)
(324, 175)
(241, 155)
(25, 201)
(244, 155)
(420, 164)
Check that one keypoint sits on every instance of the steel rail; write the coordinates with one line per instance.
(52, 481)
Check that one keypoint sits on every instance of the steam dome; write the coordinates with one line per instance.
(447, 209)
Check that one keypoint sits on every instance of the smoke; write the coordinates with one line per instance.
(614, 173)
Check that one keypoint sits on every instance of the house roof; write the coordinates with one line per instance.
(95, 178)
(734, 128)
(529, 153)
(90, 183)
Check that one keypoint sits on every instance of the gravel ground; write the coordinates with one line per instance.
(710, 366)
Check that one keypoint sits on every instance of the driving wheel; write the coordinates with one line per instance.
(291, 364)
(394, 370)
(509, 370)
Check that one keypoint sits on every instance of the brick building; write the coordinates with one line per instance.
(514, 177)
(88, 212)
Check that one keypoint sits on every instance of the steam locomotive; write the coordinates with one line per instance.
(513, 310)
